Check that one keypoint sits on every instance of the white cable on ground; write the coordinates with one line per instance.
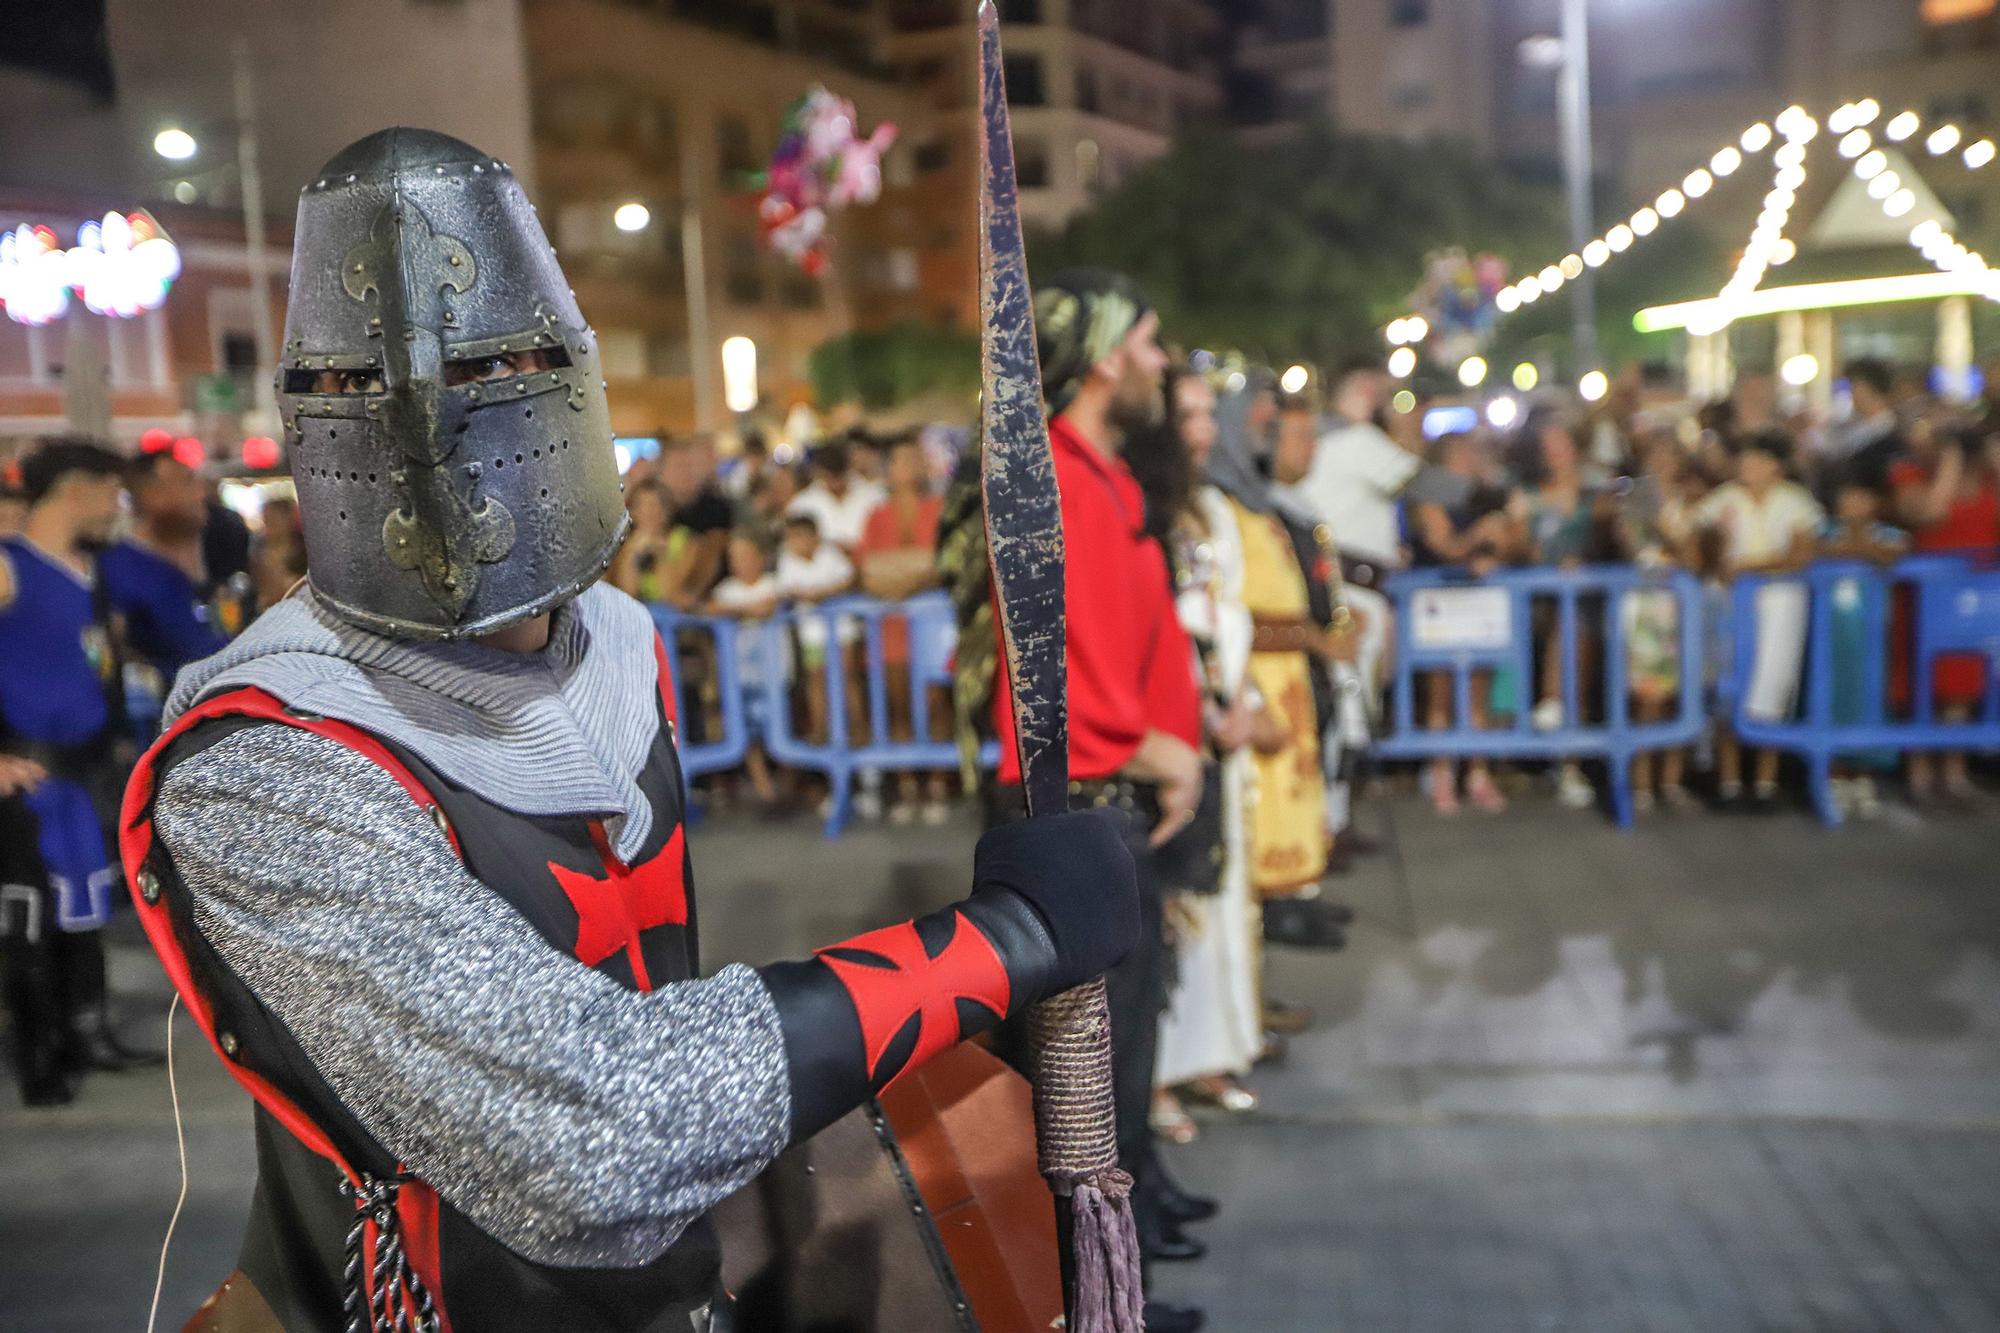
(180, 1141)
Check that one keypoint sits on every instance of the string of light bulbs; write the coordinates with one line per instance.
(1670, 203)
(1931, 238)
(1768, 247)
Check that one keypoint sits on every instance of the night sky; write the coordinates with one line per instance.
(63, 38)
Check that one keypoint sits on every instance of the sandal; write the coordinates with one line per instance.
(1484, 793)
(1222, 1092)
(1170, 1119)
(1444, 789)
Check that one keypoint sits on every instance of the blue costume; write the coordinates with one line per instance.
(55, 708)
(166, 620)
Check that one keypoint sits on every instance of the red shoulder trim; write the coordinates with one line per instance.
(666, 676)
(417, 1204)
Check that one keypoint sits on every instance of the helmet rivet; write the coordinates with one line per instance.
(455, 260)
(350, 178)
(409, 335)
(438, 170)
(521, 387)
(477, 168)
(472, 470)
(375, 323)
(320, 184)
(358, 267)
(230, 1045)
(149, 886)
(450, 317)
(473, 393)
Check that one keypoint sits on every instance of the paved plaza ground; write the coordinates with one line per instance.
(1714, 1074)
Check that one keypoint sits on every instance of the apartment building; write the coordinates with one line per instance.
(1671, 80)
(654, 105)
(1096, 87)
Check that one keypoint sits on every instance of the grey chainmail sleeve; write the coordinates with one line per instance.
(579, 1123)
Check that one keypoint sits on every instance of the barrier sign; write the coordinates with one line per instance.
(1967, 618)
(1461, 619)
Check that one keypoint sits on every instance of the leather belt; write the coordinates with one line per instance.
(1140, 798)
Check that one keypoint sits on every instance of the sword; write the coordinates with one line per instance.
(1071, 1033)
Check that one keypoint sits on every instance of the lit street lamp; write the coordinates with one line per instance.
(739, 374)
(177, 145)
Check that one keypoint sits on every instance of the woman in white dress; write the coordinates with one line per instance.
(1212, 1029)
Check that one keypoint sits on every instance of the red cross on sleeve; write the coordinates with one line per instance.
(891, 976)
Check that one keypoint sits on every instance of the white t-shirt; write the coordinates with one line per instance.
(1357, 472)
(827, 569)
(841, 518)
(733, 594)
(1753, 533)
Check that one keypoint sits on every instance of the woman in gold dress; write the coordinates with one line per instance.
(1287, 838)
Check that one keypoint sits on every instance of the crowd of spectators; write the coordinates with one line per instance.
(1723, 490)
(858, 514)
(1730, 489)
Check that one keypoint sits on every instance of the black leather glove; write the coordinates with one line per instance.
(1075, 870)
(1055, 902)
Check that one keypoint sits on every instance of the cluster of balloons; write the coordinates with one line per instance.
(121, 266)
(821, 166)
(1457, 299)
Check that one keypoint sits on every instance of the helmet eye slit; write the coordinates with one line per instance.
(305, 380)
(504, 365)
(459, 370)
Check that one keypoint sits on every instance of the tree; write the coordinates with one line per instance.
(881, 368)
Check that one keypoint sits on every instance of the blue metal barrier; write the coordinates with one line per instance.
(1448, 621)
(726, 751)
(933, 634)
(1954, 608)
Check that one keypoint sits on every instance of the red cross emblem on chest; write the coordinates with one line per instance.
(890, 976)
(612, 911)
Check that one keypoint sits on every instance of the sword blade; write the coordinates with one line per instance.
(1024, 534)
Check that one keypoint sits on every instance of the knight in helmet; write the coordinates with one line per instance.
(412, 848)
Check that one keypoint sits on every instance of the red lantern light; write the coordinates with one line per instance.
(260, 451)
(156, 441)
(190, 452)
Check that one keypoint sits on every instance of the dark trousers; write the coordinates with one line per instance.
(48, 976)
(1136, 989)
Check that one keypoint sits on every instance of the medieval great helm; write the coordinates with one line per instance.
(449, 434)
